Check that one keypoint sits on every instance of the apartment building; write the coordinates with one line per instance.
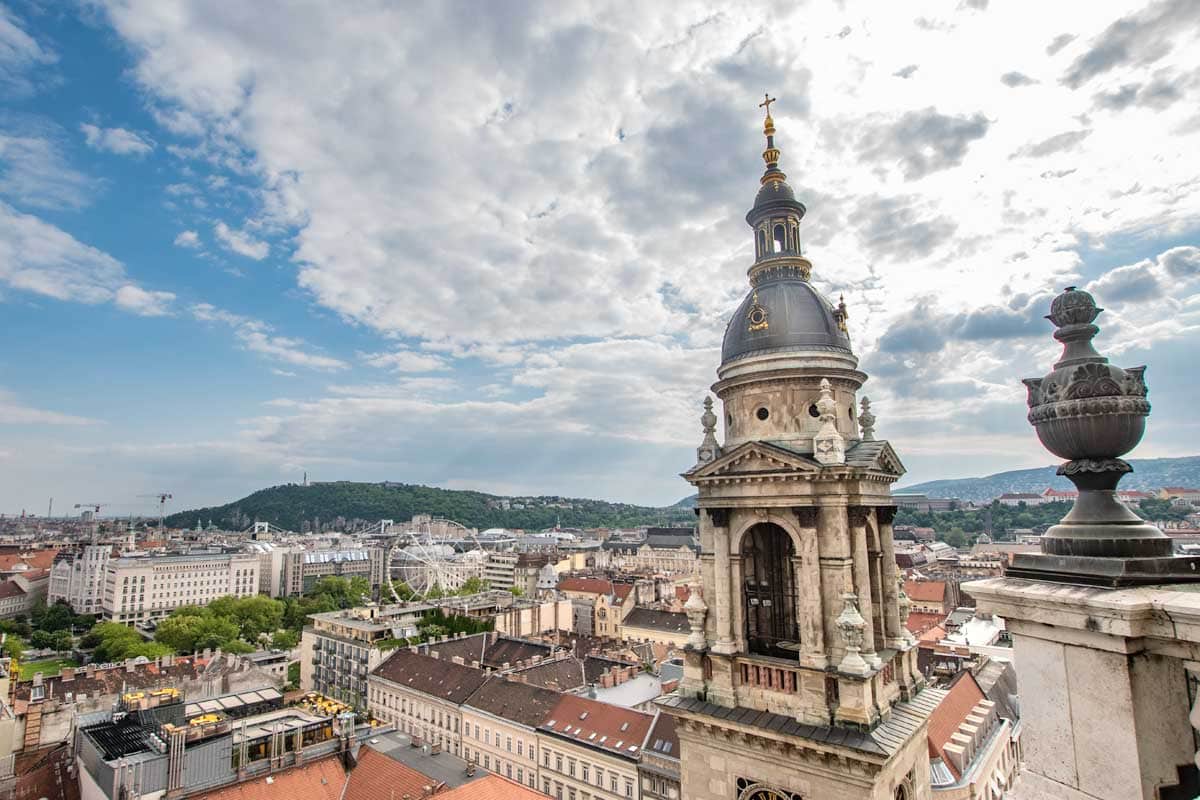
(500, 722)
(78, 579)
(591, 750)
(143, 589)
(423, 697)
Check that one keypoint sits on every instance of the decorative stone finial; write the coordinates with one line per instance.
(708, 449)
(828, 445)
(696, 611)
(851, 625)
(1091, 412)
(840, 314)
(866, 420)
(904, 605)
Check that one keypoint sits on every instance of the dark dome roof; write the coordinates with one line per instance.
(774, 197)
(798, 318)
(775, 190)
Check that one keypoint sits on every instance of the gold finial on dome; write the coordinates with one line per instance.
(771, 154)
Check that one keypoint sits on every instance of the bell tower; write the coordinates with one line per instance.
(800, 678)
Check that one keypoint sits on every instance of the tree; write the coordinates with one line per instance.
(116, 642)
(473, 586)
(284, 640)
(14, 647)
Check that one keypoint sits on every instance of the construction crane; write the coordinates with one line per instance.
(163, 497)
(95, 507)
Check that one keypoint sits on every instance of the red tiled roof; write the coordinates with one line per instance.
(1169, 489)
(595, 586)
(932, 635)
(378, 777)
(38, 559)
(917, 623)
(316, 780)
(10, 589)
(600, 725)
(490, 787)
(926, 591)
(964, 694)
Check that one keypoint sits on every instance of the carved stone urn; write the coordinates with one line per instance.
(1091, 412)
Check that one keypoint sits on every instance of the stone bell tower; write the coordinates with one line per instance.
(800, 677)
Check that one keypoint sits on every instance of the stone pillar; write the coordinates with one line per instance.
(719, 519)
(893, 634)
(833, 541)
(862, 581)
(808, 579)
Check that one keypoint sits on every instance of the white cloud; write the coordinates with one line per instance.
(188, 239)
(37, 257)
(116, 140)
(13, 412)
(142, 302)
(404, 361)
(240, 242)
(258, 337)
(33, 171)
(20, 56)
(283, 373)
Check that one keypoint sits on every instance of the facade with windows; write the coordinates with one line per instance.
(500, 722)
(591, 750)
(139, 590)
(423, 696)
(79, 579)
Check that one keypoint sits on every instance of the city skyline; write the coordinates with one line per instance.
(495, 249)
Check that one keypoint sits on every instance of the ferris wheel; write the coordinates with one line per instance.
(432, 555)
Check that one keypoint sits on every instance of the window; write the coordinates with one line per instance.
(584, 773)
(780, 239)
(612, 783)
(762, 413)
(769, 591)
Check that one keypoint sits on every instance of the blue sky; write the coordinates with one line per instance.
(495, 247)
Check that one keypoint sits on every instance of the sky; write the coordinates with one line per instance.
(495, 245)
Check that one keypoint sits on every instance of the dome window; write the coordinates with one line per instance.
(762, 413)
(780, 239)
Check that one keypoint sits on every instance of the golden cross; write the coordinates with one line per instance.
(766, 103)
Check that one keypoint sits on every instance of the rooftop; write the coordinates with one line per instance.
(322, 779)
(515, 701)
(590, 723)
(666, 621)
(436, 677)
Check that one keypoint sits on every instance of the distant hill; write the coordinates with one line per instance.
(290, 505)
(1148, 473)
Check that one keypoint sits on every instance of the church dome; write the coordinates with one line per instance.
(783, 314)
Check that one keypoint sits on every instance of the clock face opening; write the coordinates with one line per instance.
(758, 316)
(762, 414)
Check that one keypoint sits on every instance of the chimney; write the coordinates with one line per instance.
(37, 679)
(67, 674)
(433, 653)
(129, 668)
(169, 660)
(458, 660)
(506, 665)
(474, 663)
(90, 670)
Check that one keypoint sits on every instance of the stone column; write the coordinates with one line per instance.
(808, 579)
(862, 580)
(719, 519)
(894, 635)
(833, 542)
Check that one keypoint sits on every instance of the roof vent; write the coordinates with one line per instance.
(583, 715)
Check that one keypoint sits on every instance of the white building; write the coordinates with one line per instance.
(80, 580)
(142, 589)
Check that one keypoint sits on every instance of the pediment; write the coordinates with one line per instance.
(878, 456)
(755, 458)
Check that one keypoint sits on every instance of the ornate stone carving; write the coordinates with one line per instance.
(851, 625)
(858, 515)
(885, 514)
(1091, 412)
(696, 611)
(904, 606)
(806, 516)
(866, 420)
(708, 449)
(828, 445)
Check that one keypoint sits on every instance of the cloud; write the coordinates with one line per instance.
(404, 361)
(1160, 93)
(893, 227)
(20, 57)
(924, 141)
(1054, 144)
(1014, 79)
(907, 72)
(1137, 39)
(240, 242)
(13, 412)
(33, 171)
(1150, 279)
(116, 140)
(258, 337)
(188, 239)
(283, 373)
(143, 303)
(1059, 42)
(1181, 262)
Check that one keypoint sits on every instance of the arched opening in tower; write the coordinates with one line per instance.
(769, 591)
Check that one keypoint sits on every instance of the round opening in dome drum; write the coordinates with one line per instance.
(762, 413)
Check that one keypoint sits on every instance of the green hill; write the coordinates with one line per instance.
(360, 505)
